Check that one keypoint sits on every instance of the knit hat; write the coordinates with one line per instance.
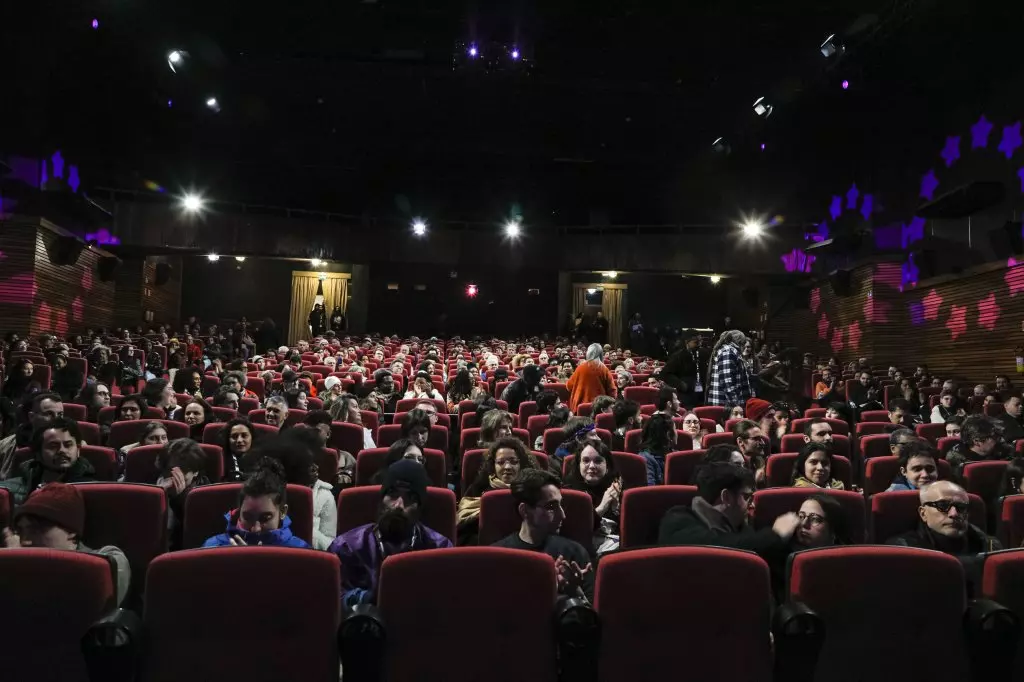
(331, 382)
(408, 474)
(283, 350)
(757, 408)
(256, 358)
(59, 503)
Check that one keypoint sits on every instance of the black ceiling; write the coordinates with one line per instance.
(355, 107)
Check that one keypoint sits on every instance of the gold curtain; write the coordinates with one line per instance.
(579, 298)
(611, 306)
(303, 294)
(335, 294)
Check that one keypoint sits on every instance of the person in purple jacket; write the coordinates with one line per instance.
(398, 529)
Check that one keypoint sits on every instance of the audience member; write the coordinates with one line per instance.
(918, 468)
(659, 439)
(667, 402)
(594, 473)
(53, 517)
(237, 438)
(196, 415)
(692, 427)
(502, 463)
(728, 377)
(346, 409)
(66, 381)
(753, 446)
(95, 396)
(20, 384)
(826, 389)
(953, 426)
(813, 467)
(627, 417)
(398, 529)
(947, 408)
(132, 407)
(1011, 419)
(55, 458)
(602, 405)
(539, 503)
(1013, 478)
(723, 453)
(416, 427)
(182, 467)
(557, 419)
(422, 387)
(590, 379)
(276, 411)
(818, 431)
(495, 424)
(980, 440)
(385, 394)
(40, 408)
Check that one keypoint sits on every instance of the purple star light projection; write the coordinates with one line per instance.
(951, 152)
(797, 261)
(980, 132)
(852, 195)
(1011, 141)
(929, 183)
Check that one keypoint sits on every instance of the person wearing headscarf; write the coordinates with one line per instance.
(591, 379)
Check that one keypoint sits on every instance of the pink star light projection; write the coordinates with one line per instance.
(988, 312)
(823, 326)
(957, 323)
(875, 311)
(1014, 276)
(931, 304)
(815, 299)
(853, 335)
(837, 339)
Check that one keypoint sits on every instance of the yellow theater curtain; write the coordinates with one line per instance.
(304, 286)
(611, 306)
(335, 293)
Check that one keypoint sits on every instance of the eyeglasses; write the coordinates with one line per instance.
(815, 519)
(944, 506)
(506, 462)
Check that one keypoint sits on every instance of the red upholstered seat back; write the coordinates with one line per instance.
(643, 509)
(520, 621)
(680, 466)
(641, 395)
(216, 634)
(780, 469)
(369, 462)
(771, 503)
(140, 463)
(633, 587)
(125, 433)
(631, 468)
(985, 479)
(206, 505)
(931, 432)
(358, 506)
(499, 516)
(895, 513)
(1011, 521)
(879, 473)
(347, 437)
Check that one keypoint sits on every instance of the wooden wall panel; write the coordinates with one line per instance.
(128, 310)
(163, 301)
(69, 297)
(17, 278)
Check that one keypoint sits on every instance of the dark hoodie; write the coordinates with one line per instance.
(523, 389)
(282, 537)
(702, 524)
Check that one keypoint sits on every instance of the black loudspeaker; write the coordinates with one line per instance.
(749, 297)
(106, 268)
(842, 283)
(65, 250)
(163, 274)
(1007, 240)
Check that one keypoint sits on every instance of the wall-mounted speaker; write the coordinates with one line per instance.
(802, 299)
(1007, 240)
(163, 274)
(64, 250)
(106, 267)
(842, 283)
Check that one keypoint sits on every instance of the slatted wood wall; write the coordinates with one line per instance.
(163, 301)
(966, 327)
(68, 298)
(17, 278)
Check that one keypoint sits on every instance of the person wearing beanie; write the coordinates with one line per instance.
(53, 517)
(398, 529)
(55, 458)
(333, 388)
(590, 379)
(757, 409)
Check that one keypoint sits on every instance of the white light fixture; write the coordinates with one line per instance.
(212, 257)
(176, 59)
(831, 46)
(240, 259)
(752, 229)
(212, 104)
(193, 203)
(591, 291)
(715, 279)
(512, 229)
(316, 262)
(611, 274)
(419, 228)
(762, 108)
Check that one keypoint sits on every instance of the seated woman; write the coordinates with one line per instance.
(196, 415)
(836, 411)
(576, 431)
(502, 463)
(416, 427)
(403, 448)
(20, 383)
(236, 439)
(692, 428)
(462, 387)
(558, 417)
(594, 473)
(67, 381)
(659, 439)
(731, 412)
(132, 407)
(422, 387)
(918, 466)
(494, 425)
(153, 433)
(262, 514)
(296, 398)
(182, 467)
(813, 467)
(822, 524)
(188, 380)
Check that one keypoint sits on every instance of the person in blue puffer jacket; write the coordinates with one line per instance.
(262, 514)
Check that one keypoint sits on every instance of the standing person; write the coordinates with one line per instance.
(728, 379)
(599, 328)
(317, 320)
(591, 379)
(636, 333)
(338, 321)
(526, 388)
(685, 368)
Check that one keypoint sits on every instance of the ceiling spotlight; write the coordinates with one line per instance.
(715, 279)
(611, 274)
(831, 47)
(846, 84)
(473, 52)
(512, 229)
(419, 228)
(316, 262)
(762, 108)
(212, 104)
(193, 203)
(472, 290)
(752, 229)
(212, 257)
(95, 24)
(240, 259)
(176, 59)
(721, 146)
(515, 53)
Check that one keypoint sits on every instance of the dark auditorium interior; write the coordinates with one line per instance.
(369, 340)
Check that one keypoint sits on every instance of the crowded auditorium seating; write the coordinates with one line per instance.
(370, 461)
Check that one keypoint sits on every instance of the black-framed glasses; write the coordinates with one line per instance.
(944, 506)
(815, 519)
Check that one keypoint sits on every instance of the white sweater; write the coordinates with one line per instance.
(325, 515)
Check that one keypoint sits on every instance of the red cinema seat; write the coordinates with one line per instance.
(126, 433)
(247, 405)
(527, 409)
(358, 507)
(631, 468)
(947, 443)
(131, 517)
(369, 462)
(257, 386)
(880, 472)
(224, 414)
(643, 509)
(561, 389)
(780, 469)
(681, 466)
(633, 588)
(552, 439)
(295, 416)
(140, 463)
(6, 508)
(407, 404)
(207, 505)
(874, 416)
(536, 425)
(443, 419)
(108, 415)
(437, 440)
(371, 420)
(77, 412)
(815, 413)
(985, 479)
(1011, 520)
(103, 460)
(605, 421)
(641, 395)
(838, 426)
(713, 439)
(897, 512)
(875, 445)
(874, 428)
(468, 439)
(771, 503)
(214, 635)
(582, 410)
(864, 636)
(931, 432)
(499, 517)
(1003, 582)
(210, 384)
(521, 621)
(994, 409)
(90, 433)
(715, 413)
(44, 636)
(347, 437)
(212, 432)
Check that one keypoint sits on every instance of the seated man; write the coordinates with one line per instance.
(945, 526)
(539, 500)
(398, 529)
(1011, 419)
(718, 516)
(262, 514)
(55, 458)
(981, 440)
(53, 517)
(627, 416)
(818, 431)
(40, 407)
(900, 412)
(427, 406)
(900, 438)
(277, 410)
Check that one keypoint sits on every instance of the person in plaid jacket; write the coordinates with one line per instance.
(728, 379)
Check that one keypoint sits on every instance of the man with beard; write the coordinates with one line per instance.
(55, 458)
(398, 529)
(41, 407)
(384, 393)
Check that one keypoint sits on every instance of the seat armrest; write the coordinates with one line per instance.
(798, 633)
(362, 638)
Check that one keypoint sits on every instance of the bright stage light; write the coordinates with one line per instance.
(212, 104)
(715, 279)
(419, 228)
(611, 274)
(473, 52)
(240, 259)
(316, 262)
(752, 229)
(176, 59)
(193, 203)
(212, 257)
(512, 229)
(831, 46)
(763, 108)
(846, 84)
(472, 290)
(515, 53)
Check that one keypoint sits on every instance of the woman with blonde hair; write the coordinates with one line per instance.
(590, 379)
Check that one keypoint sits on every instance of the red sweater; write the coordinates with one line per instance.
(590, 380)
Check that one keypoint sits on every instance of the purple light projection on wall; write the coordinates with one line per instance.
(916, 310)
(797, 261)
(835, 209)
(930, 304)
(853, 334)
(957, 323)
(980, 132)
(1011, 141)
(929, 183)
(988, 311)
(913, 231)
(888, 274)
(1014, 277)
(852, 195)
(102, 237)
(1020, 174)
(867, 206)
(73, 180)
(58, 164)
(951, 152)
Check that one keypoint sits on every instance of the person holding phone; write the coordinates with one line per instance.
(594, 473)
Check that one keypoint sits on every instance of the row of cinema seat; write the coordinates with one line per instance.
(232, 614)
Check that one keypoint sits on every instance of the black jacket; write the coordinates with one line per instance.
(66, 383)
(681, 370)
(1013, 429)
(702, 524)
(970, 551)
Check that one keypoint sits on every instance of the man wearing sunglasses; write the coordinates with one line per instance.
(945, 526)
